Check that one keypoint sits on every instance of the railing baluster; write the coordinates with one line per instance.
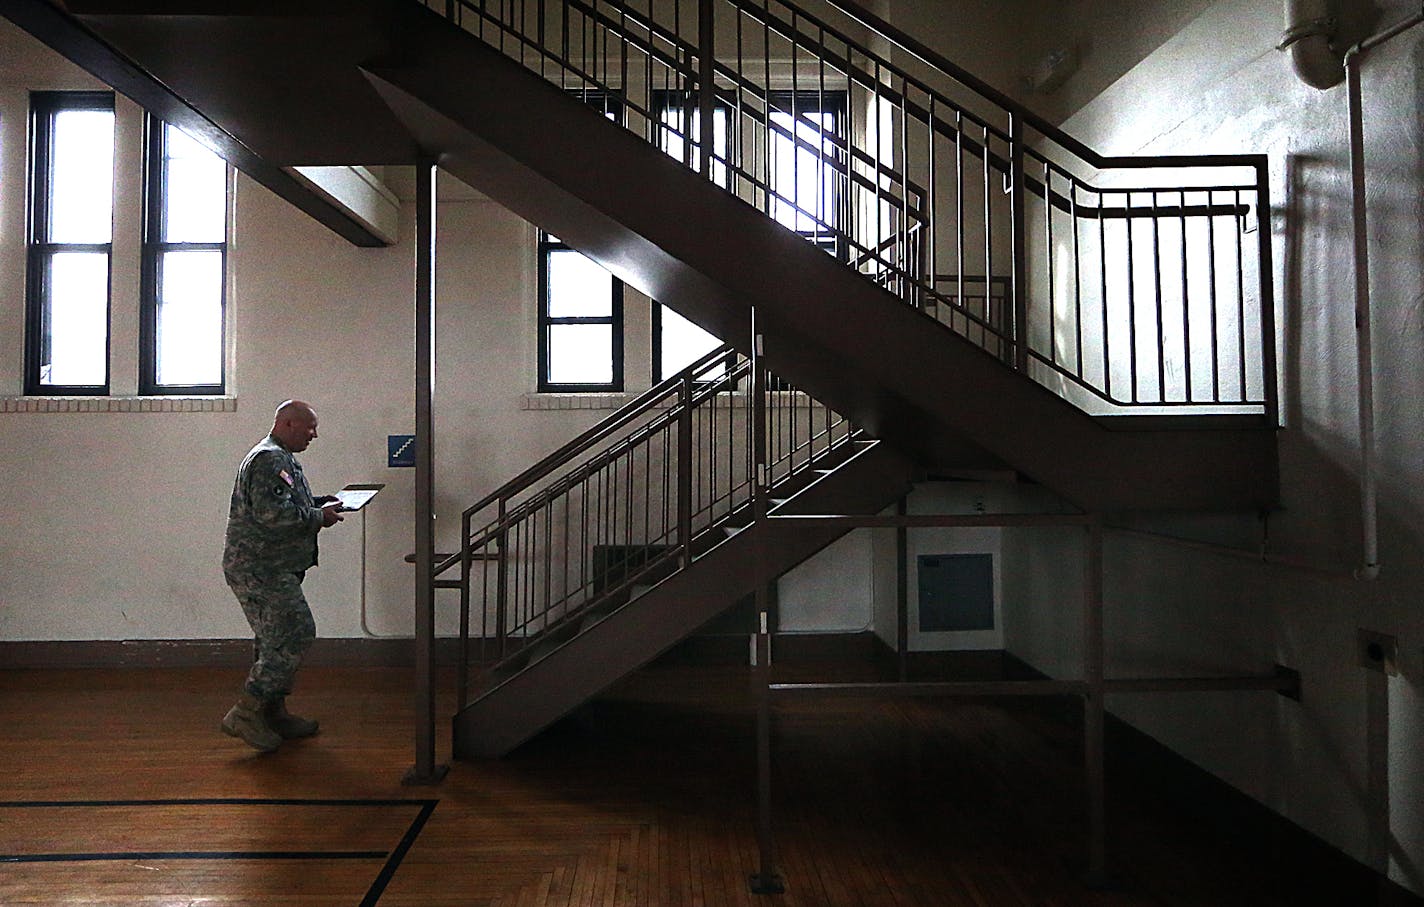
(1019, 261)
(1131, 301)
(1079, 368)
(1211, 297)
(1048, 240)
(502, 583)
(1103, 278)
(1186, 308)
(684, 470)
(1160, 314)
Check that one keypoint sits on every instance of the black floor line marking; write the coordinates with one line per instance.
(378, 887)
(212, 801)
(195, 855)
(373, 894)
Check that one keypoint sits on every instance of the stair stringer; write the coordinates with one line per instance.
(538, 695)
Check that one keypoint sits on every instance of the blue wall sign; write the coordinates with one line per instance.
(400, 450)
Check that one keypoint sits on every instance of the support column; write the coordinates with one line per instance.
(902, 592)
(425, 771)
(1094, 713)
(765, 880)
(706, 86)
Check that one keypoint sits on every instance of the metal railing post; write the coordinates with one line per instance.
(765, 880)
(501, 588)
(706, 85)
(902, 592)
(1094, 707)
(1266, 277)
(1020, 242)
(466, 562)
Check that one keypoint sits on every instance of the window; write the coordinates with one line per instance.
(580, 322)
(677, 342)
(580, 304)
(806, 164)
(70, 243)
(184, 265)
(680, 127)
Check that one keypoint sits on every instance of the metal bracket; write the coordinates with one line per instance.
(1323, 26)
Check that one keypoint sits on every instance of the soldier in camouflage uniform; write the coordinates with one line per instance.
(272, 525)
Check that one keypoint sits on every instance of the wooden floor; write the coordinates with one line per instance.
(117, 788)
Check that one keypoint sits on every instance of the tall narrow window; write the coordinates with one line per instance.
(580, 321)
(70, 242)
(677, 342)
(806, 164)
(580, 304)
(184, 265)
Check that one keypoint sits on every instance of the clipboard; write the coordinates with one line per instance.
(357, 495)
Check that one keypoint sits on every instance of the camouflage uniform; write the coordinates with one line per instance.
(272, 526)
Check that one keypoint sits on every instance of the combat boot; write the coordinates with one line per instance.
(248, 721)
(289, 726)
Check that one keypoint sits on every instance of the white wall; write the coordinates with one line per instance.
(113, 521)
(1346, 762)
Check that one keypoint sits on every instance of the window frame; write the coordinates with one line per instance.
(155, 193)
(686, 103)
(610, 105)
(794, 103)
(39, 251)
(657, 346)
(547, 246)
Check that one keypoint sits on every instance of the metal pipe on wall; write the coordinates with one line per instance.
(1369, 568)
(1364, 358)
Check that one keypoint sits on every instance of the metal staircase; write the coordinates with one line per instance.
(626, 540)
(921, 255)
(995, 292)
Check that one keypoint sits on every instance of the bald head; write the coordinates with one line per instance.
(294, 424)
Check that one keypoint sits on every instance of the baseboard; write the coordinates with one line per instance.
(195, 653)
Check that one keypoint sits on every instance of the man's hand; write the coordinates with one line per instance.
(331, 514)
(322, 500)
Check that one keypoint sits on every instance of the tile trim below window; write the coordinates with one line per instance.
(724, 400)
(557, 401)
(118, 404)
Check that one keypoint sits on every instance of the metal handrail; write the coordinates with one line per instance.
(625, 414)
(533, 568)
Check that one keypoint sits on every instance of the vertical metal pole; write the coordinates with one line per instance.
(1364, 344)
(1093, 705)
(706, 86)
(501, 585)
(1266, 281)
(466, 563)
(1020, 242)
(765, 880)
(425, 771)
(902, 592)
